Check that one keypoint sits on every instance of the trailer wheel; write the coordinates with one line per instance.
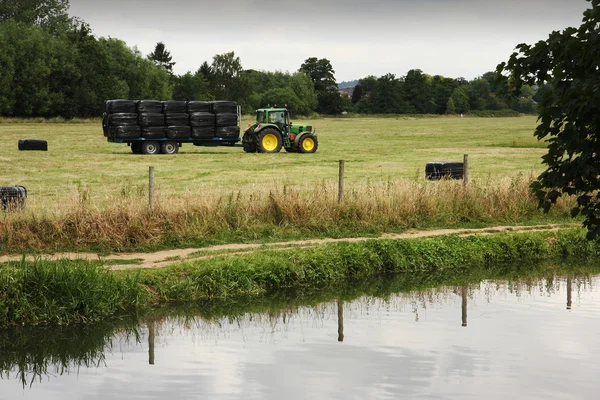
(169, 147)
(136, 148)
(150, 147)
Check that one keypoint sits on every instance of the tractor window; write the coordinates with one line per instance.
(261, 117)
(276, 117)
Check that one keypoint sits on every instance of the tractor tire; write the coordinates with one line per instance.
(169, 147)
(308, 144)
(269, 140)
(150, 147)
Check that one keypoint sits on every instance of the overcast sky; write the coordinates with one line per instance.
(452, 38)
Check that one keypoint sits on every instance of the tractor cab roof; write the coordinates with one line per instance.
(272, 109)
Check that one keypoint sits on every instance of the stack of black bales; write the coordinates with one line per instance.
(120, 120)
(226, 119)
(177, 120)
(151, 119)
(444, 169)
(202, 120)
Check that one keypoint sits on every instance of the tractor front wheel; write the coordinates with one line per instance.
(269, 140)
(308, 143)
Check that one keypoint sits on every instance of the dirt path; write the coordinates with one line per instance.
(164, 258)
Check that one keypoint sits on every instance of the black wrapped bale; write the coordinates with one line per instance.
(149, 107)
(125, 132)
(33, 144)
(226, 119)
(122, 119)
(175, 107)
(444, 169)
(179, 132)
(202, 119)
(224, 107)
(203, 132)
(229, 132)
(199, 107)
(177, 119)
(119, 106)
(105, 124)
(12, 197)
(154, 132)
(151, 120)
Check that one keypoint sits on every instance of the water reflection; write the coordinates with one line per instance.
(391, 342)
(463, 294)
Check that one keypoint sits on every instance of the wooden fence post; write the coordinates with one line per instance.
(151, 188)
(341, 183)
(466, 172)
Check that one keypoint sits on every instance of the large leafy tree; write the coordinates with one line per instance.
(322, 75)
(228, 80)
(48, 13)
(569, 119)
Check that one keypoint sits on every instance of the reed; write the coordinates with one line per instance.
(274, 212)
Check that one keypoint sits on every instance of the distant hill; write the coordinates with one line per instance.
(348, 84)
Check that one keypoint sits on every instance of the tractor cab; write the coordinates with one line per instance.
(273, 131)
(276, 116)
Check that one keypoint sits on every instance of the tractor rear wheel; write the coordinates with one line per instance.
(269, 140)
(308, 143)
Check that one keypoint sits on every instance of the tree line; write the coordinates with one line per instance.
(53, 65)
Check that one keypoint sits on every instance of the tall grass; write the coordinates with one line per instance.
(64, 292)
(124, 222)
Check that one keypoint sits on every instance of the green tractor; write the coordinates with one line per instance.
(273, 130)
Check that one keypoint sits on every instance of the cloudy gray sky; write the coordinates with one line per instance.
(360, 37)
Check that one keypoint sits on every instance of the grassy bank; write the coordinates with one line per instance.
(280, 213)
(65, 292)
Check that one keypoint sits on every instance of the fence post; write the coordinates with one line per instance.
(151, 188)
(341, 183)
(466, 172)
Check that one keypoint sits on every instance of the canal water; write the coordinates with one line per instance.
(531, 338)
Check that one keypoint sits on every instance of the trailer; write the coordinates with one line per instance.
(162, 127)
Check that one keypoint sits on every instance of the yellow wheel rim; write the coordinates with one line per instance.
(308, 144)
(270, 142)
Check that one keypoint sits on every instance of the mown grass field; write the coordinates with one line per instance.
(80, 160)
(87, 194)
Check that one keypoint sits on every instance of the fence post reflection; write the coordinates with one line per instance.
(340, 305)
(569, 292)
(463, 293)
(151, 335)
